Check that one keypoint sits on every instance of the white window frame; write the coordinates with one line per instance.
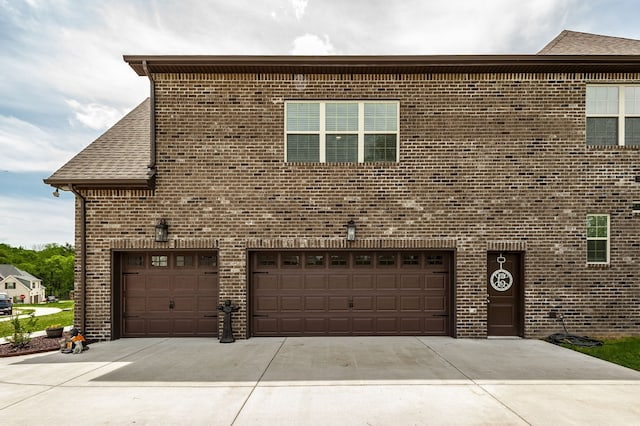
(607, 239)
(621, 110)
(360, 132)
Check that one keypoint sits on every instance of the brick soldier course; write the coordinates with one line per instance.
(492, 158)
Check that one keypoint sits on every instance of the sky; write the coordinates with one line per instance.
(63, 81)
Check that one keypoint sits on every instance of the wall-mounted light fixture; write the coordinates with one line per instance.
(56, 193)
(162, 231)
(351, 230)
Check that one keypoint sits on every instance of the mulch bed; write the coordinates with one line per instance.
(36, 345)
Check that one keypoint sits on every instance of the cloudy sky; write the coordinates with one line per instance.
(63, 81)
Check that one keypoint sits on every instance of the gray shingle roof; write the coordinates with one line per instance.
(577, 43)
(6, 270)
(119, 157)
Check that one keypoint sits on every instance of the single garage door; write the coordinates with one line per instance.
(169, 294)
(350, 293)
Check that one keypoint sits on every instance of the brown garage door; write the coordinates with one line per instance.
(169, 294)
(350, 293)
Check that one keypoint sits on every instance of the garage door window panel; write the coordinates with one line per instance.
(364, 260)
(339, 260)
(386, 260)
(208, 261)
(315, 261)
(267, 260)
(184, 261)
(135, 260)
(161, 261)
(291, 260)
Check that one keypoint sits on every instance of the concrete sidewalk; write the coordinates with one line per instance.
(319, 381)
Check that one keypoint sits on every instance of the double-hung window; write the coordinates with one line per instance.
(597, 238)
(341, 131)
(613, 115)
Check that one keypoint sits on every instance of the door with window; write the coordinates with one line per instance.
(505, 294)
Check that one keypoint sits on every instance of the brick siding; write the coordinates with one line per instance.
(487, 162)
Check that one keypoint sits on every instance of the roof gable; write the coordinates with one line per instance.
(577, 43)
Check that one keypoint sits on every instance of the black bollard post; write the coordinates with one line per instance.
(227, 332)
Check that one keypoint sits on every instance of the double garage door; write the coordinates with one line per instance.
(310, 293)
(169, 294)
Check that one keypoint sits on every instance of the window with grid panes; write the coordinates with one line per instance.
(613, 115)
(597, 238)
(342, 131)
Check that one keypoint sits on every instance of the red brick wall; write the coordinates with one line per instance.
(487, 162)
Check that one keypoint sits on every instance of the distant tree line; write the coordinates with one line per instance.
(52, 263)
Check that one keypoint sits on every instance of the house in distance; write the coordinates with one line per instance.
(448, 195)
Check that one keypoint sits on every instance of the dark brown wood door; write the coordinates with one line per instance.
(350, 293)
(169, 294)
(505, 294)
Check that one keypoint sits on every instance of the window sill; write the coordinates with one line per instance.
(614, 147)
(598, 265)
(386, 164)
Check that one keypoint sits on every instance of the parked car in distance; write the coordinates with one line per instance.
(6, 304)
(51, 299)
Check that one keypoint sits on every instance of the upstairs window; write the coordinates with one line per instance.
(597, 238)
(613, 115)
(341, 131)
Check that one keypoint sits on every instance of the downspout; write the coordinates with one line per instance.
(152, 117)
(83, 258)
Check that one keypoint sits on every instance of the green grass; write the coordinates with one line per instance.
(63, 318)
(622, 351)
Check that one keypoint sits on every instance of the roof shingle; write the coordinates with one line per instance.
(577, 43)
(120, 156)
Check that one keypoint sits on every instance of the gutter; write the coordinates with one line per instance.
(152, 117)
(83, 258)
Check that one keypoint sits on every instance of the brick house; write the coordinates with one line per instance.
(464, 196)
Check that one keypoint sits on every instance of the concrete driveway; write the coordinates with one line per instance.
(319, 381)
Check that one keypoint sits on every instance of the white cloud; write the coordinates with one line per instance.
(310, 44)
(26, 147)
(27, 222)
(299, 7)
(94, 115)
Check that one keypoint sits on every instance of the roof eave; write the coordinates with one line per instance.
(67, 184)
(384, 64)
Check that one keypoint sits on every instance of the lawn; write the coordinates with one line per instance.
(623, 351)
(63, 318)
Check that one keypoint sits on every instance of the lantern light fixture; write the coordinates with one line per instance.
(162, 231)
(351, 230)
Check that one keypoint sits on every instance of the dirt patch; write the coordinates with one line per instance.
(37, 345)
